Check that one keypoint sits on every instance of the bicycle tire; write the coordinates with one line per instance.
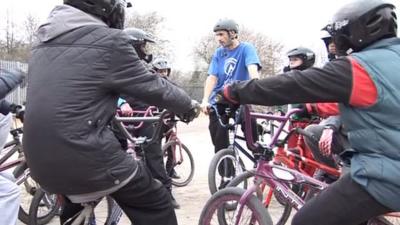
(217, 201)
(214, 165)
(114, 212)
(38, 198)
(29, 188)
(183, 180)
(287, 209)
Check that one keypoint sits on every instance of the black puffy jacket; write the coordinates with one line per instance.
(76, 74)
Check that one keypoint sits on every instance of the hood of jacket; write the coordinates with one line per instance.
(64, 18)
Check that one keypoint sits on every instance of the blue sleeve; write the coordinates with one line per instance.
(213, 69)
(121, 101)
(251, 56)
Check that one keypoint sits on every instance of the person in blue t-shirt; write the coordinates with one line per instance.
(232, 61)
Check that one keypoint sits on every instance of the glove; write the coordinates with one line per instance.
(18, 110)
(286, 69)
(226, 96)
(193, 113)
(14, 108)
(325, 142)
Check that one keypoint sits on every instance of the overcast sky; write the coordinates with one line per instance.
(291, 22)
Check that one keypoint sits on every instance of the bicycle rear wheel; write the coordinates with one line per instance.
(43, 208)
(223, 168)
(253, 212)
(179, 163)
(276, 204)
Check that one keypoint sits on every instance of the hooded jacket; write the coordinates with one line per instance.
(77, 71)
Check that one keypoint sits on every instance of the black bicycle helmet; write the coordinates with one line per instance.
(111, 12)
(360, 23)
(226, 24)
(139, 38)
(161, 64)
(305, 54)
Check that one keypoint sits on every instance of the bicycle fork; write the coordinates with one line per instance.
(242, 202)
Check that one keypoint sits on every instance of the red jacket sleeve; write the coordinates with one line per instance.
(363, 92)
(323, 109)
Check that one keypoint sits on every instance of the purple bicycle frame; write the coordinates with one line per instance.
(265, 171)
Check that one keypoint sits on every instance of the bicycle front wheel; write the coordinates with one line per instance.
(253, 212)
(223, 168)
(179, 163)
(276, 204)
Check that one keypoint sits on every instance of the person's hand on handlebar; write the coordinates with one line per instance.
(18, 110)
(192, 113)
(205, 106)
(226, 99)
(126, 109)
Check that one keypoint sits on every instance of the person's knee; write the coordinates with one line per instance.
(13, 192)
(313, 128)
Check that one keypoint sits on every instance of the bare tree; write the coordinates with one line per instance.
(153, 24)
(31, 25)
(268, 50)
(16, 45)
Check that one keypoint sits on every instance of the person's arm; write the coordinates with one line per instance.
(9, 80)
(5, 107)
(121, 101)
(343, 80)
(209, 86)
(128, 75)
(252, 61)
(253, 71)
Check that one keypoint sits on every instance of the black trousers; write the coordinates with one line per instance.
(144, 200)
(339, 144)
(219, 134)
(154, 156)
(343, 203)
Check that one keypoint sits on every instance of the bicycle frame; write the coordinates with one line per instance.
(275, 176)
(15, 147)
(302, 161)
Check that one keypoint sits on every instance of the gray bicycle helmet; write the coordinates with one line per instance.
(139, 38)
(305, 54)
(226, 24)
(362, 22)
(160, 64)
(111, 12)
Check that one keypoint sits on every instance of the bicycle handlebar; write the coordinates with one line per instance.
(231, 114)
(148, 112)
(152, 119)
(251, 143)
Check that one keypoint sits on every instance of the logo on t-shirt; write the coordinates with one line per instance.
(229, 67)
